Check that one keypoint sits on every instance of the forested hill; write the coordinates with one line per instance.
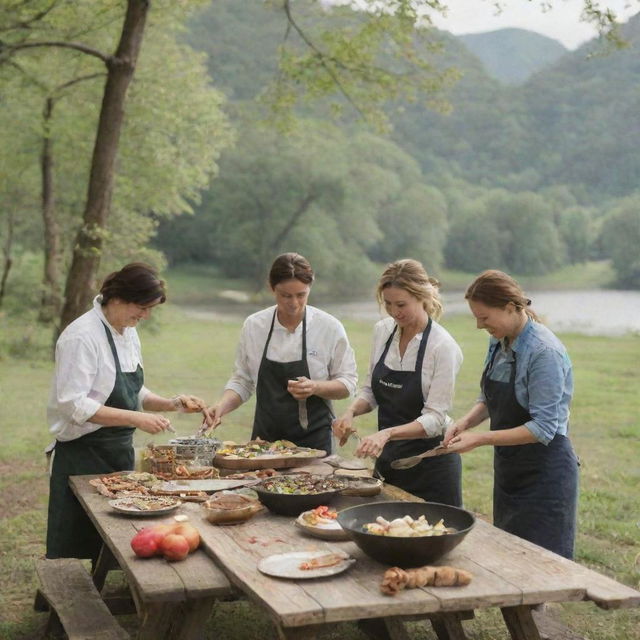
(513, 55)
(570, 123)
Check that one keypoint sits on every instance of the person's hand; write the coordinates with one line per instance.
(342, 428)
(151, 422)
(301, 388)
(192, 404)
(372, 446)
(465, 441)
(454, 429)
(188, 404)
(213, 419)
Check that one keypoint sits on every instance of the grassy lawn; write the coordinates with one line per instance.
(196, 355)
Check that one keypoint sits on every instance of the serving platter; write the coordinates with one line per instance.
(287, 565)
(210, 485)
(135, 505)
(257, 455)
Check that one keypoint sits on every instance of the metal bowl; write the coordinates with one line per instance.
(406, 552)
(292, 504)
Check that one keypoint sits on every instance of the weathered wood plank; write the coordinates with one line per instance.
(151, 579)
(68, 589)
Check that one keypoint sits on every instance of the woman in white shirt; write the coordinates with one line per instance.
(296, 358)
(412, 372)
(98, 399)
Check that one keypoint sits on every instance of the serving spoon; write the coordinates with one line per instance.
(412, 461)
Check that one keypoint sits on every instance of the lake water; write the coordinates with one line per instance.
(591, 312)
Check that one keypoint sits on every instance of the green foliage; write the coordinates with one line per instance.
(621, 239)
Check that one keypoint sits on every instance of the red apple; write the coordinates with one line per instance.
(190, 533)
(145, 543)
(174, 547)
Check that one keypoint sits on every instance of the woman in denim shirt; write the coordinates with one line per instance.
(526, 385)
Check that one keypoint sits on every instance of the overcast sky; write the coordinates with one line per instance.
(561, 22)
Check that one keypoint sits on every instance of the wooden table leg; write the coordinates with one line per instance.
(175, 621)
(448, 626)
(520, 623)
(106, 562)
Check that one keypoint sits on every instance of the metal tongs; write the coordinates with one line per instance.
(412, 461)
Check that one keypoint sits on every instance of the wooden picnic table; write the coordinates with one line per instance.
(174, 599)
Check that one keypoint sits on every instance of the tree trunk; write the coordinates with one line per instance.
(51, 301)
(80, 282)
(6, 250)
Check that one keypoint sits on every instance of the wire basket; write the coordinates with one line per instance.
(202, 449)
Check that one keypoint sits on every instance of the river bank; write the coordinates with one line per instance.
(602, 312)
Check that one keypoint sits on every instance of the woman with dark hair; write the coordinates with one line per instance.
(526, 389)
(412, 373)
(98, 399)
(296, 358)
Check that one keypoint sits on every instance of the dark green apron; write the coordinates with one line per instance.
(277, 411)
(70, 532)
(400, 400)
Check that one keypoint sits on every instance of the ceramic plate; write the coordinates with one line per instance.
(130, 506)
(287, 565)
(331, 531)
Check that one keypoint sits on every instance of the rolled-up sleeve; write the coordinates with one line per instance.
(343, 366)
(76, 369)
(241, 380)
(547, 393)
(444, 362)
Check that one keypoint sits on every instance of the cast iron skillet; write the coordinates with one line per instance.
(406, 552)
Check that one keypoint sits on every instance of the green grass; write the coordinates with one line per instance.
(195, 355)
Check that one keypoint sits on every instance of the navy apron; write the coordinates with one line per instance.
(400, 400)
(276, 415)
(70, 532)
(535, 486)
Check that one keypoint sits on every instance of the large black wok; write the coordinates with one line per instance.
(406, 552)
(293, 504)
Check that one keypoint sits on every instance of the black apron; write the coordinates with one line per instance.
(276, 415)
(70, 532)
(535, 486)
(400, 400)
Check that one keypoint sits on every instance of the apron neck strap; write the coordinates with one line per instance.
(273, 320)
(112, 344)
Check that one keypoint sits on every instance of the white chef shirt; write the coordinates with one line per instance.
(85, 372)
(329, 354)
(440, 366)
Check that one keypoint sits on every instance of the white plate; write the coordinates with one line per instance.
(287, 565)
(121, 506)
(332, 531)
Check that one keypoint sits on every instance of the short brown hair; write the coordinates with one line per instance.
(495, 288)
(410, 275)
(136, 282)
(288, 266)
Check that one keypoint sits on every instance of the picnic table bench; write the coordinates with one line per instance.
(174, 600)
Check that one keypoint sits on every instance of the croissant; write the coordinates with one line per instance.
(396, 579)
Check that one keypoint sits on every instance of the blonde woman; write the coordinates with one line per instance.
(411, 380)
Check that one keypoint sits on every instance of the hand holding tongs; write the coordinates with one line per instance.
(412, 461)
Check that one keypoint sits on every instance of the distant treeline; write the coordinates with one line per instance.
(527, 178)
